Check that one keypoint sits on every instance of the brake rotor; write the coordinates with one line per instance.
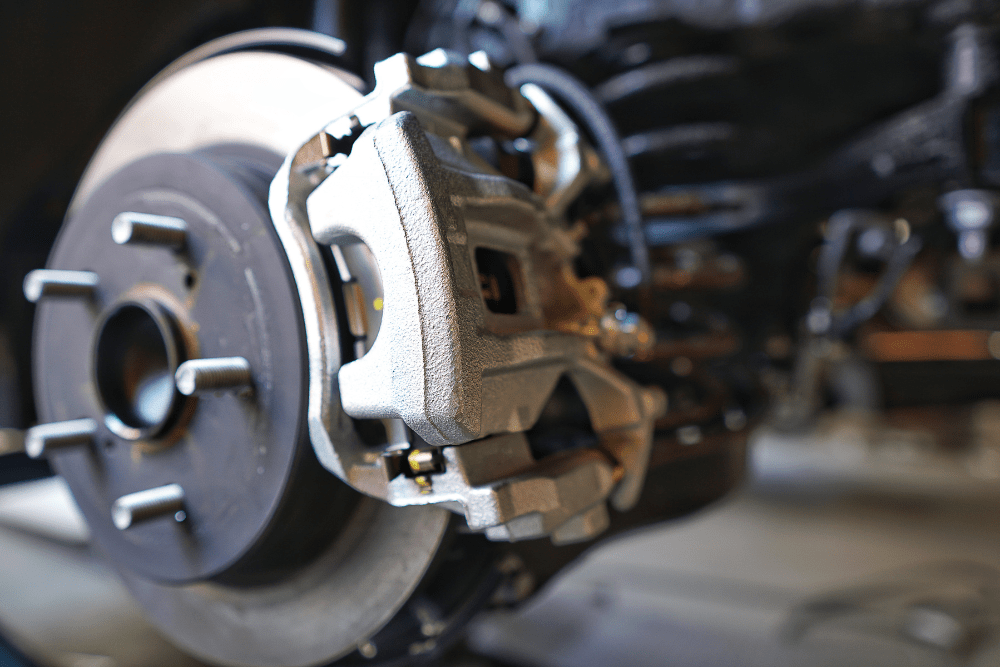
(272, 561)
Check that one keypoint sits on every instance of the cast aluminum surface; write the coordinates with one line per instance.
(423, 202)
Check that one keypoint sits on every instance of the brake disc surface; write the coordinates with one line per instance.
(277, 561)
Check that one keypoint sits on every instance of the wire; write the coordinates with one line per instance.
(574, 93)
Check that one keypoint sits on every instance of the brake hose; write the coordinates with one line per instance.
(574, 93)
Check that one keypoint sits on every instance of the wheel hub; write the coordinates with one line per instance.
(226, 293)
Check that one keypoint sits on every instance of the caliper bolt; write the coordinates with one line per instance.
(422, 463)
(52, 283)
(199, 376)
(147, 229)
(142, 506)
(40, 440)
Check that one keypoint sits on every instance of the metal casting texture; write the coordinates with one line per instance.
(442, 362)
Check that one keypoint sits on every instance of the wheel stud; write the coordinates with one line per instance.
(42, 439)
(45, 283)
(142, 506)
(147, 229)
(199, 376)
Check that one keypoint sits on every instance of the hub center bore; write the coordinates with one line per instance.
(135, 358)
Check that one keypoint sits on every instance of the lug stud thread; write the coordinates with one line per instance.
(46, 283)
(147, 229)
(199, 376)
(42, 439)
(143, 506)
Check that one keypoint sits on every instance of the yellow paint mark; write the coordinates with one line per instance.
(424, 483)
(378, 303)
